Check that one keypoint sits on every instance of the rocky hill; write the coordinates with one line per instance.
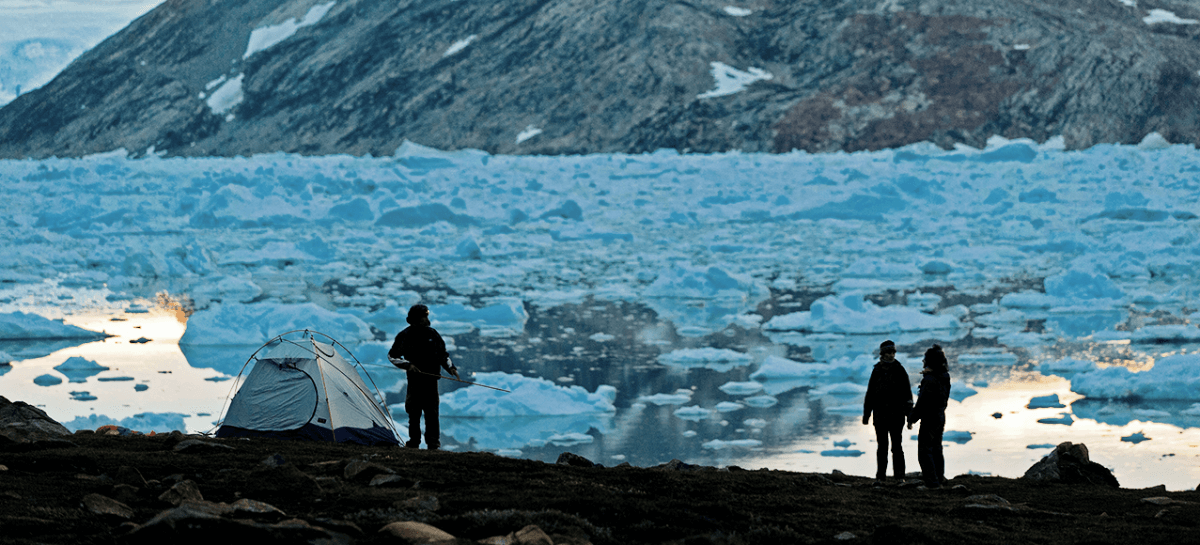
(238, 77)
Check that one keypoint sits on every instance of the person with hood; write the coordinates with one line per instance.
(931, 412)
(420, 351)
(889, 398)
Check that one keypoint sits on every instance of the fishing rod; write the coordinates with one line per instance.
(412, 369)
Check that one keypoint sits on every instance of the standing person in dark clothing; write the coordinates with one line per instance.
(889, 397)
(931, 411)
(420, 350)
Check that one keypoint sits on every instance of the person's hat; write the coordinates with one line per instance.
(935, 358)
(887, 346)
(417, 312)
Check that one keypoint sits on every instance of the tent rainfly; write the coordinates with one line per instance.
(305, 390)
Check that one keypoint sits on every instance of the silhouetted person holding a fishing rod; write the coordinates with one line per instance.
(420, 351)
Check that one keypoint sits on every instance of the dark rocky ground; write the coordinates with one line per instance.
(92, 488)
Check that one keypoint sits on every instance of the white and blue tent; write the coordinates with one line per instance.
(304, 389)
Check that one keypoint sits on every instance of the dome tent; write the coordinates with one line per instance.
(304, 389)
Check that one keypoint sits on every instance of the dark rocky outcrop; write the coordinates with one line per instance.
(22, 423)
(576, 76)
(1070, 463)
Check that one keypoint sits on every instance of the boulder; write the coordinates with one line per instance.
(570, 459)
(415, 532)
(130, 476)
(181, 492)
(196, 446)
(194, 521)
(21, 422)
(103, 505)
(364, 471)
(1070, 463)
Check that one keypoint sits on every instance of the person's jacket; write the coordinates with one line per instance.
(889, 393)
(426, 352)
(934, 394)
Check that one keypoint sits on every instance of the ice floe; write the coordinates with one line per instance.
(78, 369)
(719, 359)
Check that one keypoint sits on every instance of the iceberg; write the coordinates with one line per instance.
(528, 397)
(1171, 378)
(717, 359)
(78, 369)
(254, 324)
(19, 326)
(850, 314)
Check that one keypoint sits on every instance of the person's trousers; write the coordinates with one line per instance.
(889, 427)
(428, 408)
(929, 449)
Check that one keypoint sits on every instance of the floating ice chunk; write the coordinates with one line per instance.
(741, 388)
(761, 402)
(468, 248)
(960, 437)
(267, 36)
(1159, 16)
(601, 337)
(19, 326)
(140, 388)
(711, 283)
(780, 375)
(1045, 402)
(1151, 414)
(855, 408)
(988, 356)
(115, 379)
(83, 396)
(1135, 438)
(690, 433)
(844, 443)
(459, 46)
(680, 397)
(729, 406)
(225, 288)
(528, 397)
(1194, 410)
(756, 423)
(960, 391)
(255, 324)
(718, 359)
(924, 301)
(730, 80)
(1172, 377)
(1165, 334)
(228, 95)
(842, 453)
(1064, 419)
(529, 132)
(570, 439)
(78, 369)
(840, 389)
(142, 422)
(47, 380)
(735, 11)
(850, 314)
(694, 413)
(1040, 446)
(719, 444)
(5, 358)
(503, 317)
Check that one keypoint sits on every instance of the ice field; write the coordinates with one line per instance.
(720, 309)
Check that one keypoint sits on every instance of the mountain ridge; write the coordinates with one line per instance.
(578, 76)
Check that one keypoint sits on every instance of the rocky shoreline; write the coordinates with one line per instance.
(90, 487)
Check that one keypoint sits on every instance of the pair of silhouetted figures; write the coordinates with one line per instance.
(889, 398)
